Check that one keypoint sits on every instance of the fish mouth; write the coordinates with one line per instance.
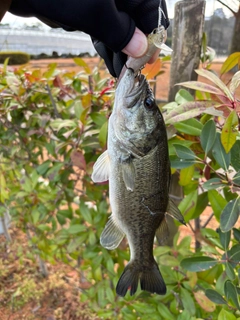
(131, 88)
(137, 85)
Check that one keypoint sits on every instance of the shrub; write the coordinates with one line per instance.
(15, 58)
(50, 195)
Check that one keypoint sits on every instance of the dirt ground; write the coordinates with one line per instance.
(57, 298)
(162, 86)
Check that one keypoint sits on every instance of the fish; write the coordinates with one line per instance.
(136, 164)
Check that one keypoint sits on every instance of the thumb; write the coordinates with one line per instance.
(137, 46)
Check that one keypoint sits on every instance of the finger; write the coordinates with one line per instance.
(137, 46)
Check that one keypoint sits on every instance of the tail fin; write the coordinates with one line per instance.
(151, 280)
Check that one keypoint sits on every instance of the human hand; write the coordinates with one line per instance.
(138, 44)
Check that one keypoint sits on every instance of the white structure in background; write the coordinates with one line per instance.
(35, 41)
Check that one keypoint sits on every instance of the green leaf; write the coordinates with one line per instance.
(234, 254)
(208, 136)
(211, 235)
(186, 175)
(187, 301)
(42, 169)
(98, 118)
(230, 62)
(228, 135)
(197, 264)
(80, 62)
(202, 202)
(183, 96)
(225, 238)
(231, 293)
(5, 64)
(230, 215)
(230, 271)
(210, 275)
(67, 213)
(225, 315)
(215, 296)
(235, 155)
(78, 109)
(217, 202)
(188, 204)
(184, 152)
(60, 123)
(51, 70)
(161, 250)
(191, 126)
(85, 212)
(219, 154)
(236, 178)
(236, 233)
(76, 228)
(53, 172)
(177, 163)
(110, 295)
(35, 216)
(4, 194)
(164, 312)
(213, 183)
(77, 85)
(185, 315)
(103, 134)
(169, 261)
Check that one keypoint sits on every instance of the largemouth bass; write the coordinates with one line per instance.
(136, 163)
(137, 166)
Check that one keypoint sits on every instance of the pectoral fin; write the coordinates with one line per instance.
(128, 172)
(174, 212)
(162, 232)
(101, 168)
(112, 235)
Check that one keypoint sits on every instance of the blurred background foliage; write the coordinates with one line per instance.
(53, 126)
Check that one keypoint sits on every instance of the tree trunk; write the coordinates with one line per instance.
(235, 45)
(187, 40)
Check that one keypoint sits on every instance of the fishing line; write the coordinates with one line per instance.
(160, 14)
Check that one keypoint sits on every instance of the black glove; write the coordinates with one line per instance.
(145, 15)
(110, 22)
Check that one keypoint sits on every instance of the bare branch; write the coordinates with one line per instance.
(227, 6)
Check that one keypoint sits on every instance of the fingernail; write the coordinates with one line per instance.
(137, 46)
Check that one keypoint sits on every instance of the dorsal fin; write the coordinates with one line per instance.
(174, 212)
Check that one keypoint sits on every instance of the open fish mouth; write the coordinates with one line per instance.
(136, 84)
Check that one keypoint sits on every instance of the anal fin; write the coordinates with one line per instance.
(162, 232)
(112, 235)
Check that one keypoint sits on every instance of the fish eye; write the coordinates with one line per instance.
(149, 103)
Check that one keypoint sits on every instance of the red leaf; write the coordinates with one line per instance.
(78, 159)
(57, 82)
